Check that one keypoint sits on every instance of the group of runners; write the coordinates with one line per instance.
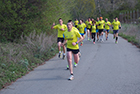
(74, 33)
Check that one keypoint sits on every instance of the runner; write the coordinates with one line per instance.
(92, 19)
(97, 28)
(89, 28)
(107, 28)
(116, 26)
(101, 23)
(93, 31)
(81, 27)
(61, 28)
(70, 37)
(86, 22)
(76, 23)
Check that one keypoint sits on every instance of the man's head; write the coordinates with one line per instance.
(93, 22)
(101, 18)
(116, 19)
(69, 24)
(97, 18)
(89, 19)
(60, 21)
(106, 19)
(81, 21)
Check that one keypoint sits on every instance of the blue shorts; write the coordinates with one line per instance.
(97, 30)
(115, 31)
(82, 34)
(107, 30)
(85, 29)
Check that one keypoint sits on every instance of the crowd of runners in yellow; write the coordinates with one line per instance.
(74, 33)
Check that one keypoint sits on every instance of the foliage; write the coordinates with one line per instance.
(18, 59)
(24, 16)
(84, 9)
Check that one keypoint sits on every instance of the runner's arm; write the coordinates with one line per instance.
(52, 27)
(65, 41)
(81, 38)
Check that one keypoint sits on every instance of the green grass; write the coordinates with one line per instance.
(17, 60)
(129, 38)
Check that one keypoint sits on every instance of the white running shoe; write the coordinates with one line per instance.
(75, 65)
(71, 77)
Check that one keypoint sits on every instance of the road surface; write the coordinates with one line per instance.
(104, 68)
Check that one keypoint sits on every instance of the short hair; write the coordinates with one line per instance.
(94, 21)
(82, 20)
(69, 21)
(59, 19)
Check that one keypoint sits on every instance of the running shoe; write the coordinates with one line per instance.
(93, 42)
(71, 77)
(67, 67)
(88, 38)
(64, 56)
(116, 42)
(113, 37)
(75, 64)
(81, 44)
(97, 39)
(59, 55)
(102, 40)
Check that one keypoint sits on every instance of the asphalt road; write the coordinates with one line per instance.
(104, 68)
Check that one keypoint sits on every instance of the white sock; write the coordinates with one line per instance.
(59, 51)
(64, 54)
(102, 36)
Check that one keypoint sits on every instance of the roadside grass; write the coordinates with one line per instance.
(17, 59)
(131, 39)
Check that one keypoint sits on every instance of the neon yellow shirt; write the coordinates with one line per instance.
(116, 25)
(101, 24)
(88, 24)
(97, 24)
(107, 27)
(60, 32)
(93, 29)
(76, 22)
(72, 37)
(81, 27)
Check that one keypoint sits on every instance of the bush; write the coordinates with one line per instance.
(18, 59)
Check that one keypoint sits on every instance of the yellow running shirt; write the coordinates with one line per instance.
(76, 22)
(72, 37)
(116, 25)
(93, 29)
(60, 32)
(81, 27)
(88, 24)
(107, 27)
(101, 24)
(97, 25)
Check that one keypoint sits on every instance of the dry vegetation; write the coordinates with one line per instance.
(17, 59)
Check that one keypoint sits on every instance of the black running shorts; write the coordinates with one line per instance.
(101, 30)
(60, 40)
(74, 51)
